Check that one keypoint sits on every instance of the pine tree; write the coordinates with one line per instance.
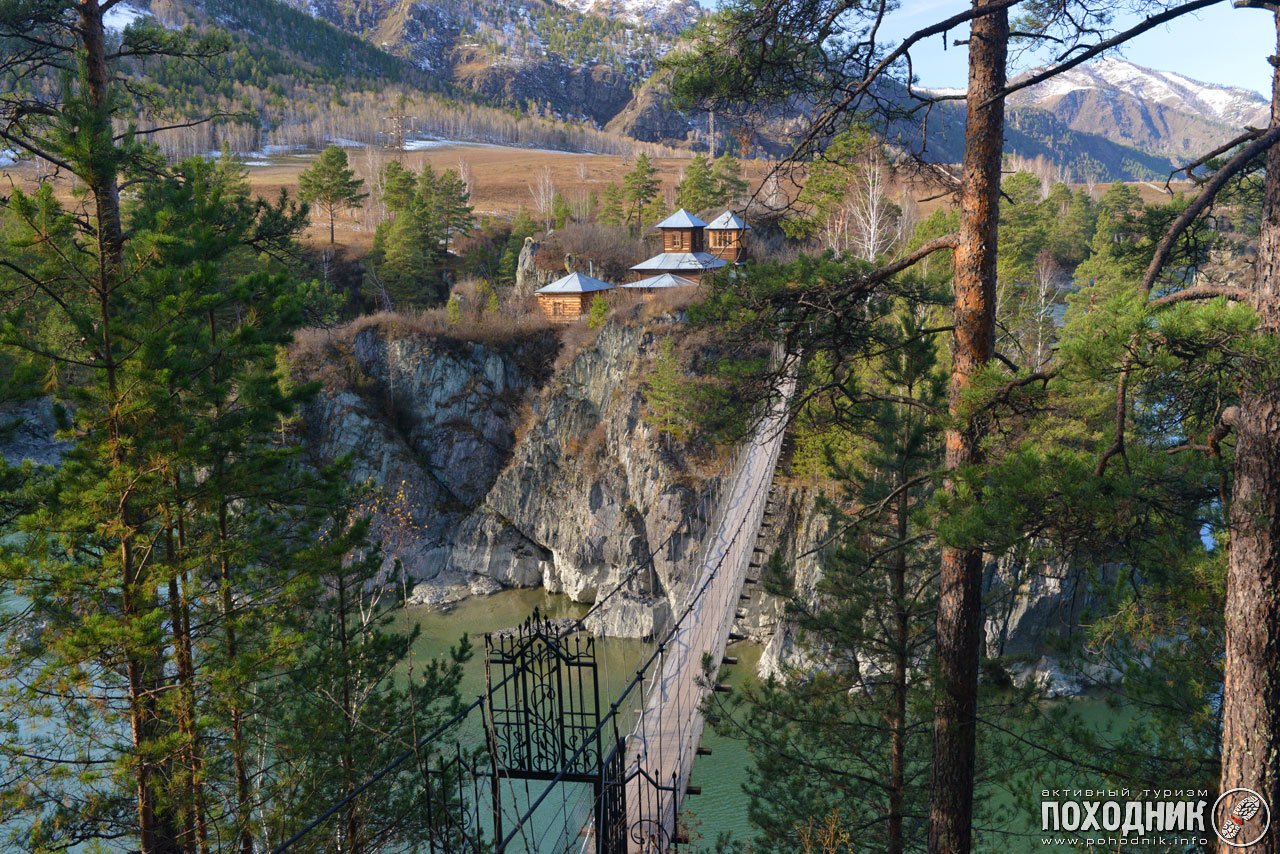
(357, 700)
(405, 263)
(173, 560)
(331, 185)
(193, 478)
(613, 206)
(699, 189)
(451, 209)
(561, 211)
(398, 187)
(411, 251)
(851, 737)
(727, 174)
(666, 392)
(640, 189)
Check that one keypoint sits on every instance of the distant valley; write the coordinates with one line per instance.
(580, 75)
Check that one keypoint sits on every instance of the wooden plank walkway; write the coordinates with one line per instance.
(662, 747)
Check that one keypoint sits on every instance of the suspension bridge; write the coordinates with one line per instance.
(540, 762)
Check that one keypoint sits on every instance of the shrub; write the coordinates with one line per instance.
(606, 252)
(599, 310)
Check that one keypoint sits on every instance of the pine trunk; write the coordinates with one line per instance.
(901, 663)
(1251, 691)
(239, 760)
(960, 574)
(157, 829)
(103, 183)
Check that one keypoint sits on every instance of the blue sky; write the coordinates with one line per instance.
(1219, 45)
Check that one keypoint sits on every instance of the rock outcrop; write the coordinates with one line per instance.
(593, 92)
(529, 274)
(588, 499)
(497, 470)
(28, 433)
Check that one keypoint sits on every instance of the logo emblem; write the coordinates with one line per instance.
(1243, 824)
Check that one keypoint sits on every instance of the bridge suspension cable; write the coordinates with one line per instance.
(639, 773)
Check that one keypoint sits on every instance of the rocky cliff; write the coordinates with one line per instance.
(494, 470)
(529, 274)
(527, 461)
(28, 433)
(593, 92)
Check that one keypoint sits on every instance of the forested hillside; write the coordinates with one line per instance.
(283, 77)
(301, 75)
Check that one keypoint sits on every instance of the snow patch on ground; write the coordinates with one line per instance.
(671, 15)
(343, 142)
(122, 15)
(426, 144)
(8, 157)
(259, 157)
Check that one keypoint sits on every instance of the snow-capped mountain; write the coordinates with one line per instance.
(122, 15)
(669, 16)
(1226, 105)
(1156, 111)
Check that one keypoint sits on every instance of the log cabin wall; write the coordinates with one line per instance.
(726, 244)
(564, 308)
(682, 240)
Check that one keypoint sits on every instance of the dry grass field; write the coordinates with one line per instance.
(502, 179)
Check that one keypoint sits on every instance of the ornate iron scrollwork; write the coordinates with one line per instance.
(545, 714)
(544, 720)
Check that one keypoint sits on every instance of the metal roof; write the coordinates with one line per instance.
(681, 219)
(662, 280)
(677, 262)
(728, 221)
(575, 283)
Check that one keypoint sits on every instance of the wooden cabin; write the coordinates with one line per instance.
(682, 232)
(726, 237)
(569, 298)
(683, 250)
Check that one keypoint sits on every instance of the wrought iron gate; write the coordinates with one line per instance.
(543, 721)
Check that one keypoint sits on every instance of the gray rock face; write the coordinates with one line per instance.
(28, 432)
(429, 425)
(649, 116)
(1031, 602)
(593, 92)
(509, 478)
(529, 276)
(598, 489)
(577, 505)
(798, 532)
(1030, 605)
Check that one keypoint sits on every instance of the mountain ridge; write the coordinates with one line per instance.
(589, 64)
(1159, 112)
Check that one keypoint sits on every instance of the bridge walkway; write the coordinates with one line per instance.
(664, 742)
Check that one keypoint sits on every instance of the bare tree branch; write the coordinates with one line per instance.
(1202, 201)
(909, 260)
(1101, 47)
(1249, 134)
(1202, 292)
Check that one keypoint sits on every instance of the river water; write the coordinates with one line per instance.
(722, 805)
